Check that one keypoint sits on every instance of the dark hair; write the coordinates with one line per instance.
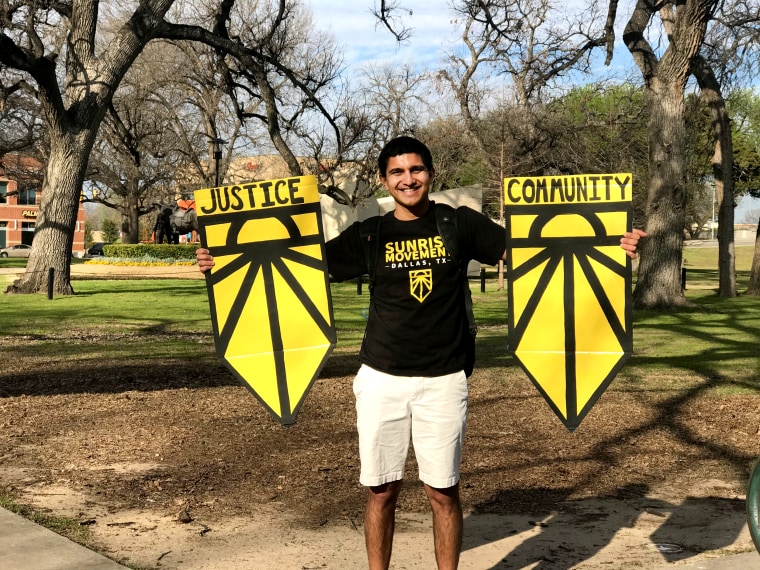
(403, 145)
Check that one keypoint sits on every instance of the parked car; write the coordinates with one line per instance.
(96, 248)
(20, 250)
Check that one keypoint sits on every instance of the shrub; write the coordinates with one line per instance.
(150, 250)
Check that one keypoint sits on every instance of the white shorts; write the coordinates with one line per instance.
(391, 409)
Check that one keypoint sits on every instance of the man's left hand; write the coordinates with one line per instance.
(630, 241)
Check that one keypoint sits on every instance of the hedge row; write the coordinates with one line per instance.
(150, 250)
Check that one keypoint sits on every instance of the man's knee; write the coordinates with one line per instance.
(447, 498)
(386, 494)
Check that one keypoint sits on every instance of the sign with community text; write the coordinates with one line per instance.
(570, 317)
(269, 291)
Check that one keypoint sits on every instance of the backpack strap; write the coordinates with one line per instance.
(369, 232)
(446, 222)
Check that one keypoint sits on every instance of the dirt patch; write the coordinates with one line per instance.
(174, 465)
(177, 467)
(108, 271)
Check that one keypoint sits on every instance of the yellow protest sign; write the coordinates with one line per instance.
(569, 285)
(269, 290)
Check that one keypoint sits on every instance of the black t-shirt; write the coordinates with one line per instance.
(417, 325)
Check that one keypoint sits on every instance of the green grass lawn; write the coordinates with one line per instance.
(714, 344)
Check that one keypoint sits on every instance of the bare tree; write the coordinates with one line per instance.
(531, 43)
(156, 139)
(393, 100)
(195, 92)
(133, 162)
(665, 75)
(387, 13)
(527, 42)
(729, 54)
(21, 126)
(76, 68)
(287, 96)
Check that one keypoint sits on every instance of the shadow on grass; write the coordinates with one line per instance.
(120, 369)
(109, 378)
(572, 530)
(714, 355)
(138, 287)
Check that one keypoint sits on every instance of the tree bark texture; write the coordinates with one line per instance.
(722, 163)
(131, 214)
(56, 221)
(659, 278)
(659, 282)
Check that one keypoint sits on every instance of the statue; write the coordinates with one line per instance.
(174, 220)
(163, 227)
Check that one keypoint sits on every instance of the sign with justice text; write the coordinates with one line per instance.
(269, 291)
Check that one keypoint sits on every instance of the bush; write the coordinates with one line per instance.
(150, 250)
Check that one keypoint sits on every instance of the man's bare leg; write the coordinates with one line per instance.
(379, 523)
(447, 525)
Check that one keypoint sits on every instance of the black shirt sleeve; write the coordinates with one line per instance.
(345, 258)
(485, 241)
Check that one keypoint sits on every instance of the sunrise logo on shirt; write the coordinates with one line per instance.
(420, 283)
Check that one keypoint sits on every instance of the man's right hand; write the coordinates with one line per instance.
(205, 259)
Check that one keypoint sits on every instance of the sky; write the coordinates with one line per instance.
(363, 40)
(356, 29)
(747, 210)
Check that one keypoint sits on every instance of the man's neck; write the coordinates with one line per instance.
(405, 214)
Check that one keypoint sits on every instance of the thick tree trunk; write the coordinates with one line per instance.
(56, 221)
(659, 283)
(131, 214)
(754, 277)
(722, 166)
(725, 192)
(659, 278)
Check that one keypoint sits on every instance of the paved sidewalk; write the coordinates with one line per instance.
(28, 546)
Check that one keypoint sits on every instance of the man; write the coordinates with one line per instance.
(411, 384)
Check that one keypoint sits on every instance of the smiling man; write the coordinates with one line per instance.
(412, 383)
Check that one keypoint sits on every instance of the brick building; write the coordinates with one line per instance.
(20, 204)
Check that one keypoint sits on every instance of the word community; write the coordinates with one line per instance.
(568, 189)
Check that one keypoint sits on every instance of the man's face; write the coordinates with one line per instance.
(408, 181)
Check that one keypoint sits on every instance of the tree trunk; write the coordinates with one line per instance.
(131, 214)
(269, 97)
(725, 192)
(659, 282)
(56, 221)
(659, 279)
(722, 166)
(754, 277)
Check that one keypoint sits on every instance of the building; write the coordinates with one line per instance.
(20, 204)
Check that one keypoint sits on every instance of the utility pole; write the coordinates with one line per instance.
(217, 143)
